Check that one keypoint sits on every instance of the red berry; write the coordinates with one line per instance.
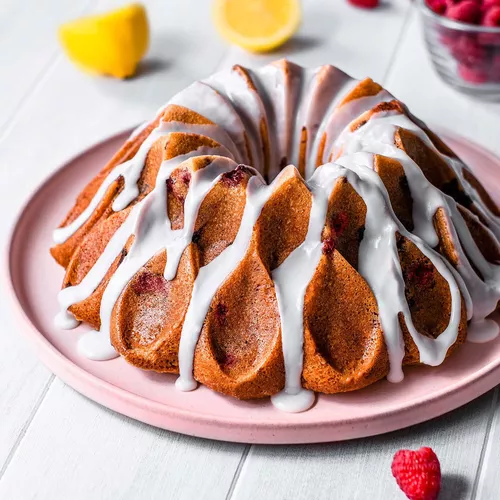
(468, 51)
(437, 6)
(417, 473)
(467, 11)
(148, 282)
(328, 246)
(472, 75)
(186, 177)
(488, 4)
(492, 17)
(365, 4)
(339, 223)
(221, 313)
(421, 273)
(234, 177)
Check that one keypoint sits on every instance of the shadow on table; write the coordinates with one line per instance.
(454, 487)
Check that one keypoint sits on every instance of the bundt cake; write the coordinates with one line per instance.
(280, 231)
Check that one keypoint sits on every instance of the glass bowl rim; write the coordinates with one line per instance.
(457, 25)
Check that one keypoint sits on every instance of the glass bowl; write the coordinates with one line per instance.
(466, 56)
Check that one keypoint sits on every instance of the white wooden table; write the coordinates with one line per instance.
(56, 444)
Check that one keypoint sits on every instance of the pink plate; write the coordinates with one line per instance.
(35, 280)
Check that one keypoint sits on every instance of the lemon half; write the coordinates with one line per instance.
(111, 44)
(257, 25)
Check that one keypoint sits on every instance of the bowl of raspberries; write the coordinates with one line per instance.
(463, 38)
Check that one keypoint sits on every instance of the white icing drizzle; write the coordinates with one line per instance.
(211, 276)
(287, 99)
(207, 102)
(379, 265)
(291, 280)
(377, 136)
(249, 106)
(480, 332)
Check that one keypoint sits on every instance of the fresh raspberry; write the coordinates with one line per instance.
(227, 360)
(148, 282)
(233, 178)
(421, 273)
(437, 6)
(170, 185)
(221, 313)
(467, 11)
(472, 75)
(186, 177)
(328, 246)
(364, 4)
(488, 4)
(495, 69)
(339, 223)
(417, 473)
(492, 17)
(468, 51)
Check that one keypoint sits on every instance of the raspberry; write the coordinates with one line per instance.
(148, 282)
(421, 273)
(467, 11)
(221, 313)
(488, 4)
(170, 185)
(186, 177)
(492, 17)
(468, 51)
(339, 223)
(233, 178)
(364, 4)
(417, 473)
(437, 6)
(227, 360)
(472, 75)
(495, 69)
(328, 246)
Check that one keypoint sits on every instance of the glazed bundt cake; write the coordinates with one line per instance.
(280, 231)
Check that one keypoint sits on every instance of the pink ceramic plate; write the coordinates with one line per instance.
(35, 280)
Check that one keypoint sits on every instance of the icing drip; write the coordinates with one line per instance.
(248, 104)
(377, 136)
(149, 222)
(379, 265)
(286, 100)
(482, 331)
(291, 280)
(215, 273)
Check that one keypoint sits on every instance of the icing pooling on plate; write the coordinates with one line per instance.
(288, 101)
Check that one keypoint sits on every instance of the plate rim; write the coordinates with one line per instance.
(212, 426)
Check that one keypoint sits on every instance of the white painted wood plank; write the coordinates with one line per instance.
(66, 112)
(487, 483)
(28, 46)
(358, 41)
(414, 81)
(361, 469)
(75, 450)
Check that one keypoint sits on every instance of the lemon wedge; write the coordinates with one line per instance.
(257, 25)
(111, 44)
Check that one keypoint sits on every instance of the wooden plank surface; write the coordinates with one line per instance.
(55, 443)
(361, 469)
(29, 48)
(75, 449)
